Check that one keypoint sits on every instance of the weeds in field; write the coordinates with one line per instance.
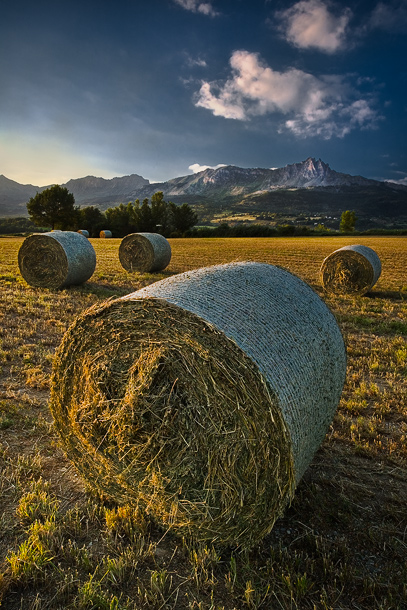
(341, 545)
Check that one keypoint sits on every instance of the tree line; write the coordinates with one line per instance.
(55, 208)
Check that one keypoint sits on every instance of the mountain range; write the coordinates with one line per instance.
(308, 188)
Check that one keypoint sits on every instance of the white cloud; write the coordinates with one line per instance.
(327, 106)
(228, 104)
(310, 24)
(196, 6)
(196, 168)
(192, 62)
(402, 181)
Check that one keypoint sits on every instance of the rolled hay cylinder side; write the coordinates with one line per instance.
(84, 232)
(350, 270)
(56, 259)
(144, 252)
(105, 234)
(210, 403)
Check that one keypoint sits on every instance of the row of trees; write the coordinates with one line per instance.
(55, 207)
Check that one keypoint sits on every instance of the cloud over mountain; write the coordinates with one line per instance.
(310, 24)
(326, 106)
(196, 167)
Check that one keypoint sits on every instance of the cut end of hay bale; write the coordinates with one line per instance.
(209, 403)
(173, 416)
(352, 270)
(144, 252)
(56, 259)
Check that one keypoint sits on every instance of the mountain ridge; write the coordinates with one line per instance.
(294, 188)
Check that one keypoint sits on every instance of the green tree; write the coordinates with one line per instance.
(182, 217)
(160, 216)
(143, 217)
(348, 221)
(53, 207)
(91, 219)
(121, 220)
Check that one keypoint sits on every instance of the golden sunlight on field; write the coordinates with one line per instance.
(342, 542)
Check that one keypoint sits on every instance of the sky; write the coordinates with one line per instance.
(166, 88)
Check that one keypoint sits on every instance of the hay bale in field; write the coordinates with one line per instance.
(144, 252)
(350, 270)
(105, 234)
(84, 232)
(211, 401)
(56, 259)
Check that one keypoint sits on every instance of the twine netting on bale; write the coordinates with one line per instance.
(84, 232)
(350, 270)
(144, 252)
(201, 398)
(105, 234)
(56, 259)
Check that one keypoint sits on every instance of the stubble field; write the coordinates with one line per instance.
(342, 544)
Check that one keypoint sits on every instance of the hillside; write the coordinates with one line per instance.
(309, 188)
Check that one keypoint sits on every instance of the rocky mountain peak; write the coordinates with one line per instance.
(313, 167)
(211, 186)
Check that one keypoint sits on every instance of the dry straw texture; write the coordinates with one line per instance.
(56, 259)
(84, 232)
(105, 233)
(202, 398)
(350, 270)
(144, 252)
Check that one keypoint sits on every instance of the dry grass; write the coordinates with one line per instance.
(341, 545)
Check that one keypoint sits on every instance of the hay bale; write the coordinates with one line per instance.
(56, 259)
(84, 232)
(350, 270)
(209, 404)
(144, 252)
(105, 234)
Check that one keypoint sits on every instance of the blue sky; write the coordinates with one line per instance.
(163, 88)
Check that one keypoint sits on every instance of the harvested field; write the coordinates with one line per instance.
(342, 544)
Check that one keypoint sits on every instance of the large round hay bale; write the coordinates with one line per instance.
(105, 234)
(84, 232)
(56, 259)
(144, 252)
(211, 401)
(350, 270)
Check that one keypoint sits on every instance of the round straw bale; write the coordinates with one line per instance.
(56, 259)
(144, 252)
(84, 232)
(106, 233)
(350, 270)
(209, 404)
